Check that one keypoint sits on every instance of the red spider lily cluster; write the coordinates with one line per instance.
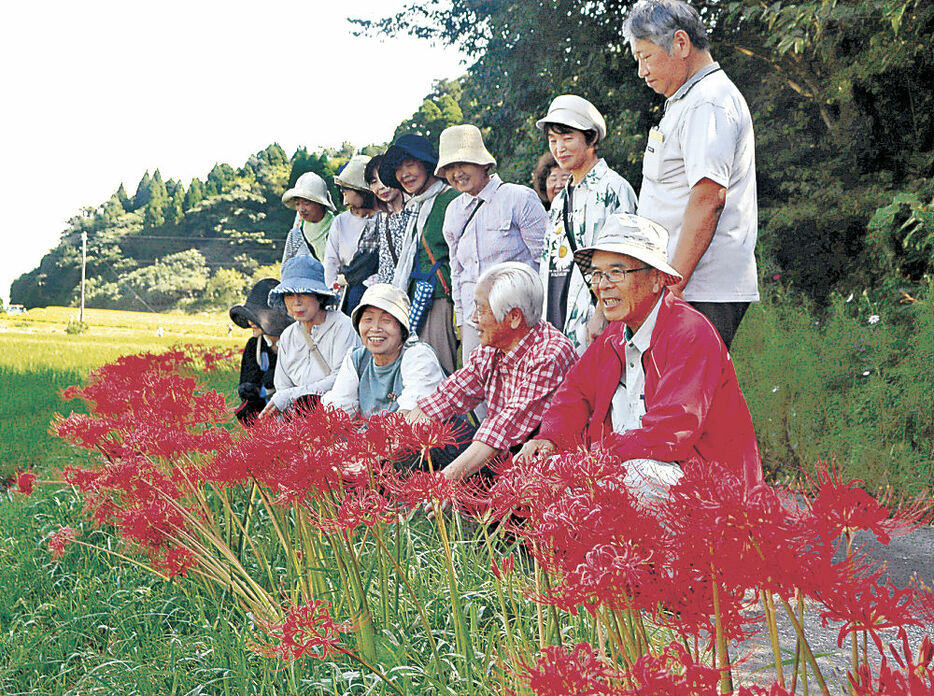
(695, 561)
(307, 631)
(60, 539)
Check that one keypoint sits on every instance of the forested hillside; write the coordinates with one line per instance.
(169, 246)
(841, 96)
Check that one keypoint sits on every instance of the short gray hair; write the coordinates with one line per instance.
(658, 20)
(512, 285)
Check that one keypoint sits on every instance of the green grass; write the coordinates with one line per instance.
(38, 359)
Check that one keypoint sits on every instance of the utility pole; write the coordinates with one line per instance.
(84, 261)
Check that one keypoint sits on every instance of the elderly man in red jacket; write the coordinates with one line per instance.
(657, 388)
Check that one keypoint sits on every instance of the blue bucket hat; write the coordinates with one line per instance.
(408, 146)
(300, 275)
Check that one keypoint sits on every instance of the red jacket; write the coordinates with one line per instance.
(695, 410)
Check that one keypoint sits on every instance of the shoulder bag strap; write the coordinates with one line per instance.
(315, 353)
(436, 263)
(572, 242)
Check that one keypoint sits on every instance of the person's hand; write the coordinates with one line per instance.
(341, 281)
(535, 448)
(595, 325)
(270, 411)
(416, 415)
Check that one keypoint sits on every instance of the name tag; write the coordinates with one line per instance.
(656, 135)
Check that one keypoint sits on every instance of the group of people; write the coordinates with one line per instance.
(585, 315)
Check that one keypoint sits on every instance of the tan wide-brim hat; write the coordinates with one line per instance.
(352, 175)
(311, 187)
(462, 144)
(576, 112)
(388, 298)
(634, 236)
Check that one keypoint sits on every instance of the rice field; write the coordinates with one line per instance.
(38, 359)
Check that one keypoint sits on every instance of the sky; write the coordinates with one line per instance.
(95, 93)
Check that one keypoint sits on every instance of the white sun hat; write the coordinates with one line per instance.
(388, 298)
(576, 112)
(462, 144)
(311, 187)
(351, 176)
(635, 236)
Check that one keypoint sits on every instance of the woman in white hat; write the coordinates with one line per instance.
(351, 255)
(489, 223)
(391, 370)
(310, 198)
(311, 349)
(574, 128)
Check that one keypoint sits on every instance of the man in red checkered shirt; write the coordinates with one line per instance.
(520, 362)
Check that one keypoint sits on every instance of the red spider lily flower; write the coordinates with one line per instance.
(577, 671)
(58, 541)
(424, 486)
(672, 673)
(915, 677)
(175, 561)
(25, 481)
(307, 631)
(503, 571)
(360, 507)
(862, 602)
(845, 507)
(611, 574)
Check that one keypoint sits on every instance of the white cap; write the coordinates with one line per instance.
(576, 112)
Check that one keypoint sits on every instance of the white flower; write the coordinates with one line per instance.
(873, 319)
(866, 373)
(775, 389)
(849, 297)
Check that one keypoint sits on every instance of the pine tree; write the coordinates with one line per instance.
(143, 192)
(124, 198)
(194, 195)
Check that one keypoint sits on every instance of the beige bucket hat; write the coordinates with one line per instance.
(311, 187)
(635, 236)
(351, 176)
(388, 298)
(462, 144)
(576, 112)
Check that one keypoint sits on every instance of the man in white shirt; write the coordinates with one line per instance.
(698, 174)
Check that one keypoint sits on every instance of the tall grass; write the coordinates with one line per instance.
(855, 384)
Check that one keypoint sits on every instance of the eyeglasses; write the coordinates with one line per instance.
(614, 275)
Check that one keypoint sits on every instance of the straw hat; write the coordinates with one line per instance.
(576, 112)
(408, 146)
(311, 187)
(300, 275)
(351, 175)
(256, 309)
(388, 298)
(633, 236)
(462, 144)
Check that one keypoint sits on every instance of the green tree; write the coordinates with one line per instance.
(225, 288)
(124, 198)
(194, 194)
(220, 180)
(143, 192)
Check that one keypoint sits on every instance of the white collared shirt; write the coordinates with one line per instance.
(707, 132)
(508, 226)
(628, 404)
(297, 371)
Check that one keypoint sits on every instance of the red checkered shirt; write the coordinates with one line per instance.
(516, 386)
